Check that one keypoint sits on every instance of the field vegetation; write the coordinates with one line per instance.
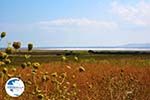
(75, 75)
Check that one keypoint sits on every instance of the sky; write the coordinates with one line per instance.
(59, 23)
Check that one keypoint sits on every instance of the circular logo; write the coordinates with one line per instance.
(14, 87)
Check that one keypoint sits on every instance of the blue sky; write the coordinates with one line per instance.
(75, 22)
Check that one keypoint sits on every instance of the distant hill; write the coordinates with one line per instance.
(141, 45)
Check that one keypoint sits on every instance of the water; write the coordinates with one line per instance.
(95, 48)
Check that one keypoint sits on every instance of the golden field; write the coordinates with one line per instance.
(80, 77)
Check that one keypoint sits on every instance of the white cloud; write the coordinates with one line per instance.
(138, 14)
(81, 25)
(67, 25)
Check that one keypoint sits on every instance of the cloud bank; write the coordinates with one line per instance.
(81, 25)
(138, 14)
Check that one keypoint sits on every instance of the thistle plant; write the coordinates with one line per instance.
(63, 89)
(4, 56)
(9, 49)
(3, 61)
(28, 63)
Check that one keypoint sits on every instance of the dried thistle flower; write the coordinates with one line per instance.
(63, 75)
(13, 69)
(2, 63)
(28, 63)
(64, 58)
(16, 45)
(74, 85)
(40, 96)
(81, 69)
(30, 46)
(68, 67)
(5, 70)
(76, 58)
(7, 61)
(3, 34)
(54, 74)
(23, 65)
(45, 78)
(36, 65)
(3, 55)
(29, 82)
(73, 76)
(10, 75)
(68, 83)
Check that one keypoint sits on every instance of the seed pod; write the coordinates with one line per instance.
(37, 90)
(33, 93)
(23, 65)
(10, 75)
(54, 74)
(46, 73)
(76, 58)
(68, 67)
(7, 61)
(9, 50)
(74, 85)
(29, 82)
(34, 71)
(2, 63)
(65, 87)
(81, 69)
(45, 78)
(5, 70)
(16, 45)
(68, 83)
(64, 58)
(68, 94)
(40, 96)
(3, 55)
(73, 76)
(3, 34)
(28, 63)
(63, 75)
(35, 65)
(62, 97)
(30, 46)
(14, 69)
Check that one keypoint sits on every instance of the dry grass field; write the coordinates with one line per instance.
(86, 77)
